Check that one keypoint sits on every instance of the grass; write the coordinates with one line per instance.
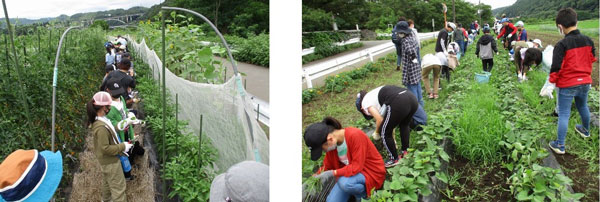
(480, 127)
(478, 108)
(587, 27)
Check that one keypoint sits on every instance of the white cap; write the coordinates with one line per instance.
(452, 25)
(520, 24)
(538, 41)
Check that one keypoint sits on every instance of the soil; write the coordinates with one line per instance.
(583, 181)
(491, 187)
(553, 38)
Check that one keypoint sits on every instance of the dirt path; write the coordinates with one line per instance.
(553, 38)
(87, 182)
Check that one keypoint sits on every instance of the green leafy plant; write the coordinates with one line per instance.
(313, 185)
(412, 176)
(308, 95)
(522, 150)
(189, 169)
(540, 183)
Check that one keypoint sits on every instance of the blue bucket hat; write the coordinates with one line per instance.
(402, 27)
(504, 20)
(29, 175)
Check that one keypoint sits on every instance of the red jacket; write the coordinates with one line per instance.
(364, 158)
(572, 60)
(510, 25)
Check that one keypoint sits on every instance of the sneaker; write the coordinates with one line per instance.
(582, 131)
(397, 68)
(559, 149)
(391, 163)
(404, 153)
(554, 113)
(376, 136)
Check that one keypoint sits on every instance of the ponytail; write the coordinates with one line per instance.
(333, 124)
(92, 111)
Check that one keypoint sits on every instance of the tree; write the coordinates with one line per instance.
(315, 19)
(100, 23)
(230, 16)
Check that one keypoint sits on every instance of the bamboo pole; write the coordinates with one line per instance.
(20, 75)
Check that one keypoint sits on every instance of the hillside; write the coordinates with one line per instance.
(79, 16)
(586, 9)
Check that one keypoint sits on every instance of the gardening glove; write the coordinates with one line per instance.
(509, 35)
(324, 176)
(376, 135)
(547, 90)
(128, 146)
(136, 100)
(415, 61)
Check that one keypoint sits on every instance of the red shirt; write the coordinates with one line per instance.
(572, 60)
(364, 158)
(511, 26)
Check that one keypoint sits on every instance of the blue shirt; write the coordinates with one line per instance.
(523, 36)
(109, 59)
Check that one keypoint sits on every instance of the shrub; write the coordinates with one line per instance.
(315, 19)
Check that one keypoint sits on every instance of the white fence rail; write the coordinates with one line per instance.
(311, 50)
(326, 67)
(261, 108)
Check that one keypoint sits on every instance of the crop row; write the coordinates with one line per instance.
(188, 165)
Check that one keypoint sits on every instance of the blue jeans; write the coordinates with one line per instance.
(416, 90)
(420, 117)
(565, 99)
(461, 44)
(346, 187)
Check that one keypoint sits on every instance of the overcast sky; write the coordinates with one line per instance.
(494, 3)
(35, 9)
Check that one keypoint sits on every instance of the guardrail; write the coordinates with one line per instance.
(261, 108)
(311, 50)
(326, 67)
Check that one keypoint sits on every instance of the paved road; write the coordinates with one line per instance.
(256, 79)
(367, 44)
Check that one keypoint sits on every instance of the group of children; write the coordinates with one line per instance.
(111, 119)
(353, 160)
(570, 63)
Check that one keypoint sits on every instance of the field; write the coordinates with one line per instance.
(587, 27)
(499, 132)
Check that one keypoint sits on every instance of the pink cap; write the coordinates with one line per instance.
(102, 98)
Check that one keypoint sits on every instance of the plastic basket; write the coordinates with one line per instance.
(483, 77)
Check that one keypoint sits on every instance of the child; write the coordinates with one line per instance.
(571, 71)
(485, 46)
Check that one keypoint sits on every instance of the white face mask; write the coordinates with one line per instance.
(333, 147)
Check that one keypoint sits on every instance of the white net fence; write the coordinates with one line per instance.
(226, 110)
